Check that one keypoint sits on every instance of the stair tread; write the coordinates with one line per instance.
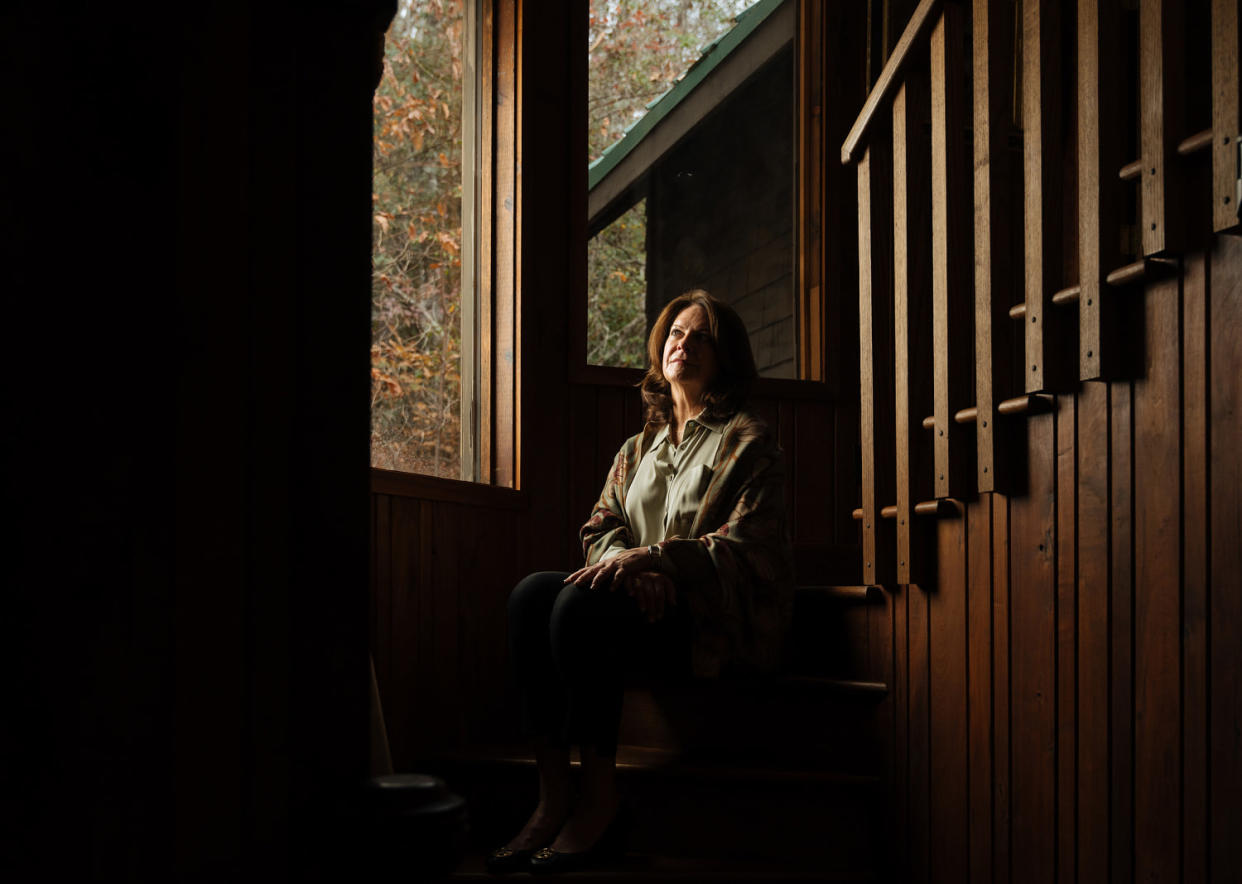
(645, 760)
(646, 868)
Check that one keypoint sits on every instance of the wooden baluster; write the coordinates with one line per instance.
(875, 325)
(993, 78)
(1162, 122)
(1041, 148)
(1099, 194)
(1226, 124)
(911, 310)
(952, 302)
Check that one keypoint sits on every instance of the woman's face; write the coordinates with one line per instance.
(689, 351)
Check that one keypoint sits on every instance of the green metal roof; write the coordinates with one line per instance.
(716, 52)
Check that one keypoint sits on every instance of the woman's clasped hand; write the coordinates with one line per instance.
(633, 571)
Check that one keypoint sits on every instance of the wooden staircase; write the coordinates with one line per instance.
(772, 779)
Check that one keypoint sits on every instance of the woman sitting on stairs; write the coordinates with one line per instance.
(688, 566)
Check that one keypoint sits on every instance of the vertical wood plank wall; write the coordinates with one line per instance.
(1071, 704)
(1068, 704)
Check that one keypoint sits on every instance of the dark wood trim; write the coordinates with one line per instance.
(506, 359)
(810, 41)
(413, 485)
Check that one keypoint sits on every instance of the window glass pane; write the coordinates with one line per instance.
(617, 296)
(416, 303)
(691, 120)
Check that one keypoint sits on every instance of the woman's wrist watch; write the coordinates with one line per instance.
(654, 552)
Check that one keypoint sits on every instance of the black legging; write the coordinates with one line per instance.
(571, 648)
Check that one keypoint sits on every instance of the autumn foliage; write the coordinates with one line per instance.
(416, 284)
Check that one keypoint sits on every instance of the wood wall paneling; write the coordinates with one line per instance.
(1066, 543)
(1121, 685)
(1224, 317)
(1001, 698)
(1092, 691)
(980, 646)
(900, 768)
(918, 735)
(1195, 512)
(1157, 606)
(948, 830)
(1033, 638)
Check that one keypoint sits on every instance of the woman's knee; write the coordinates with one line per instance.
(535, 595)
(587, 617)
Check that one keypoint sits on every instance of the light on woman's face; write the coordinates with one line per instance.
(689, 351)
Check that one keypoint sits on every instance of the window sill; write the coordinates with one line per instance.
(399, 484)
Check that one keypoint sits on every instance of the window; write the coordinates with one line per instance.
(444, 364)
(417, 304)
(691, 183)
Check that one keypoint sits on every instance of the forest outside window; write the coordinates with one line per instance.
(417, 280)
(691, 178)
(443, 284)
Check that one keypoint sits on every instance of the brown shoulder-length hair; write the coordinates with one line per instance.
(728, 391)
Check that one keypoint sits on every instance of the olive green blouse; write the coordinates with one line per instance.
(667, 489)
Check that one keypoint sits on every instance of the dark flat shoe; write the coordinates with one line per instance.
(609, 847)
(504, 860)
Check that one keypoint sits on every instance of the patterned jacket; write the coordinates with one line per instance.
(735, 569)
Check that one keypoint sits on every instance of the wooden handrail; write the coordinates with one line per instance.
(920, 23)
